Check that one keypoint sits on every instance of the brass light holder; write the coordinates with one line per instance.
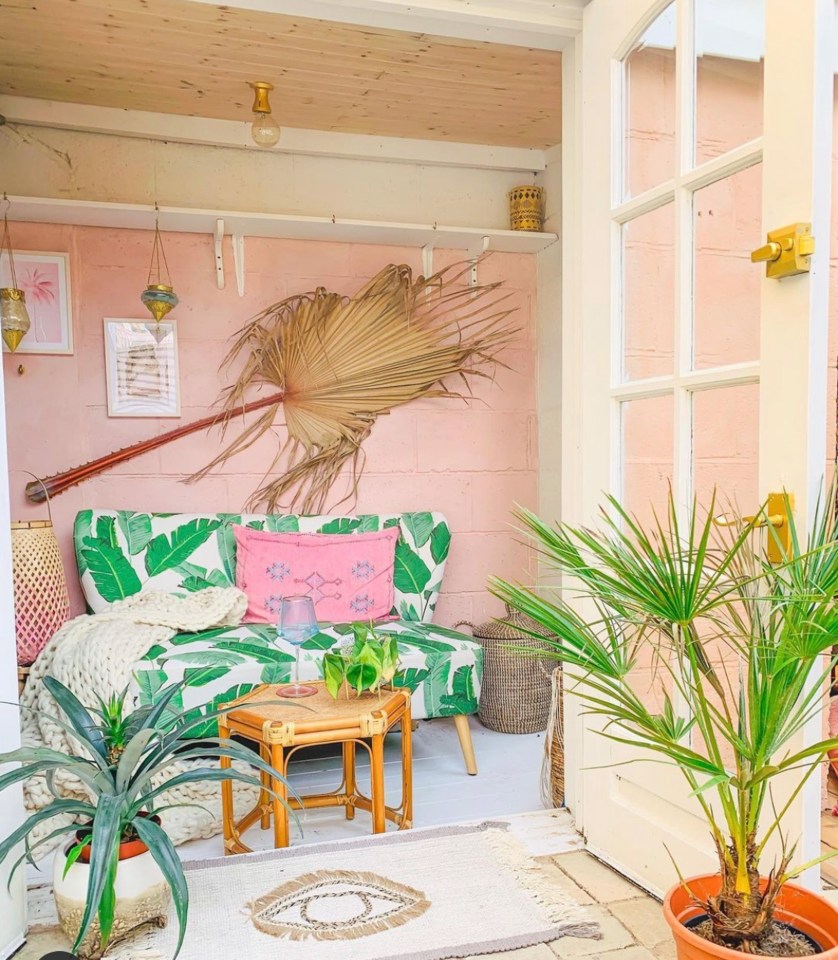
(14, 317)
(159, 295)
(261, 96)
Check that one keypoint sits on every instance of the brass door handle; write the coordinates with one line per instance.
(770, 252)
(774, 520)
(779, 544)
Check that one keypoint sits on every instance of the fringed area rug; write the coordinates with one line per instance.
(422, 895)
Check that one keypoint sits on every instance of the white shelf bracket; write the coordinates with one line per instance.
(428, 258)
(475, 252)
(219, 253)
(238, 260)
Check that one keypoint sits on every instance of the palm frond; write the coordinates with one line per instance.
(336, 363)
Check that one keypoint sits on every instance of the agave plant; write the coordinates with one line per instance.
(126, 763)
(729, 635)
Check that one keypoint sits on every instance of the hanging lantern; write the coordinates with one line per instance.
(42, 603)
(159, 295)
(14, 318)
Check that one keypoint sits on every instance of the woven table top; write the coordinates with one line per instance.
(264, 705)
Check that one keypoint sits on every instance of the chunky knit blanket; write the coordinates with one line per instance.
(94, 655)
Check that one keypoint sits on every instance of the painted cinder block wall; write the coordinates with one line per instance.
(471, 460)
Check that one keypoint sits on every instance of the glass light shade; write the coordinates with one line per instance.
(160, 299)
(264, 130)
(14, 317)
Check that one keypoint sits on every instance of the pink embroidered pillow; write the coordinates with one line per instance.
(349, 576)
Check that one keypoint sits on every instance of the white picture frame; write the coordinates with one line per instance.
(141, 367)
(45, 281)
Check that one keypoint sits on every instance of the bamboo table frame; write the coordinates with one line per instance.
(282, 727)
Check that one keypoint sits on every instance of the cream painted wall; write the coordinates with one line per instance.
(45, 162)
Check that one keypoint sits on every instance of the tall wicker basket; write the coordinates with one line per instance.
(515, 695)
(42, 603)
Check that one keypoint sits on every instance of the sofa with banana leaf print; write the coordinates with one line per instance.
(123, 552)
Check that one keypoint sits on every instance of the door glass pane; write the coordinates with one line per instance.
(727, 223)
(649, 294)
(726, 446)
(647, 455)
(650, 106)
(729, 48)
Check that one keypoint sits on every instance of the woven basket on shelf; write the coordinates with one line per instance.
(515, 694)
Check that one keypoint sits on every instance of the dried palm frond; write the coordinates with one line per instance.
(335, 364)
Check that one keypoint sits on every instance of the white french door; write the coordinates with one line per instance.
(704, 125)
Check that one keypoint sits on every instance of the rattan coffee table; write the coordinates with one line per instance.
(281, 728)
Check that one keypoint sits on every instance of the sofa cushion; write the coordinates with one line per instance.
(347, 578)
(443, 668)
(121, 552)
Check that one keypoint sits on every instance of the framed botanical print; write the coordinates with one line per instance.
(45, 281)
(142, 368)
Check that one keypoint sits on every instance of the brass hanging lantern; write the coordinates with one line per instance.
(14, 318)
(159, 295)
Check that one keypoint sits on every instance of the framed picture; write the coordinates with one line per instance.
(45, 280)
(142, 369)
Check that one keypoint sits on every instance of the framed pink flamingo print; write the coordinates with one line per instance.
(45, 280)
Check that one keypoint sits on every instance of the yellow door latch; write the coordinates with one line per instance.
(776, 516)
(787, 252)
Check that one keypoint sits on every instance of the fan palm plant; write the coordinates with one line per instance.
(730, 636)
(126, 763)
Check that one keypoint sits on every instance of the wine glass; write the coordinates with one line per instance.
(297, 623)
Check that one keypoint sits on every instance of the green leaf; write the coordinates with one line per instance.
(282, 524)
(410, 678)
(334, 673)
(462, 698)
(440, 542)
(226, 537)
(82, 529)
(341, 525)
(320, 641)
(215, 578)
(208, 658)
(164, 554)
(72, 855)
(136, 528)
(107, 829)
(408, 612)
(201, 676)
(420, 526)
(81, 720)
(106, 530)
(276, 672)
(165, 856)
(410, 574)
(391, 522)
(112, 573)
(149, 682)
(436, 683)
(153, 652)
(363, 676)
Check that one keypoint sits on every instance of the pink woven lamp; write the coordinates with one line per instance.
(42, 603)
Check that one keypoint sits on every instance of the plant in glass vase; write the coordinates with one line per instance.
(368, 662)
(736, 640)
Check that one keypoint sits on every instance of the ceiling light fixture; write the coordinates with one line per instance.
(264, 129)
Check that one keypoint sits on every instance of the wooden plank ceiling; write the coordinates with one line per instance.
(194, 59)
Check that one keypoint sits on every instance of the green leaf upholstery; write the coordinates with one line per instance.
(122, 552)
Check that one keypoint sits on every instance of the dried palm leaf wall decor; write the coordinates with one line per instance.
(332, 365)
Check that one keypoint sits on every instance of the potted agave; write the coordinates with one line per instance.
(662, 590)
(120, 869)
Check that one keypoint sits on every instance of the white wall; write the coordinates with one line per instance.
(46, 162)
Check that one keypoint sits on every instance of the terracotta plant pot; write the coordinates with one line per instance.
(800, 908)
(142, 896)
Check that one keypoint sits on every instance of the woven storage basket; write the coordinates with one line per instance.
(515, 694)
(42, 603)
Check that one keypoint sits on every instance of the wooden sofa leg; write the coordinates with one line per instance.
(466, 745)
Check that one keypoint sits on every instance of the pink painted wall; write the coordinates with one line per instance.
(471, 461)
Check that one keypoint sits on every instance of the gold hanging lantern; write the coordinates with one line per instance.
(14, 317)
(159, 295)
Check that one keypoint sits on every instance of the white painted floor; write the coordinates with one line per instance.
(507, 783)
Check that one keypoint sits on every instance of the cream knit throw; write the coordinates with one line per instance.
(94, 655)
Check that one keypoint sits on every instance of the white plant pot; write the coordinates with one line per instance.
(142, 896)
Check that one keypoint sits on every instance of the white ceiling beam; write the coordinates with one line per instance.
(230, 133)
(541, 24)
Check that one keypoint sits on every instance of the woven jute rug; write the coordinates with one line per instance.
(421, 895)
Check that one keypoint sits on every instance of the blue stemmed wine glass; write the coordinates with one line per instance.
(297, 623)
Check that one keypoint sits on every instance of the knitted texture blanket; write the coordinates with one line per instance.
(94, 655)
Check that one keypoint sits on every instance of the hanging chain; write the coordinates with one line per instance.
(158, 254)
(7, 241)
